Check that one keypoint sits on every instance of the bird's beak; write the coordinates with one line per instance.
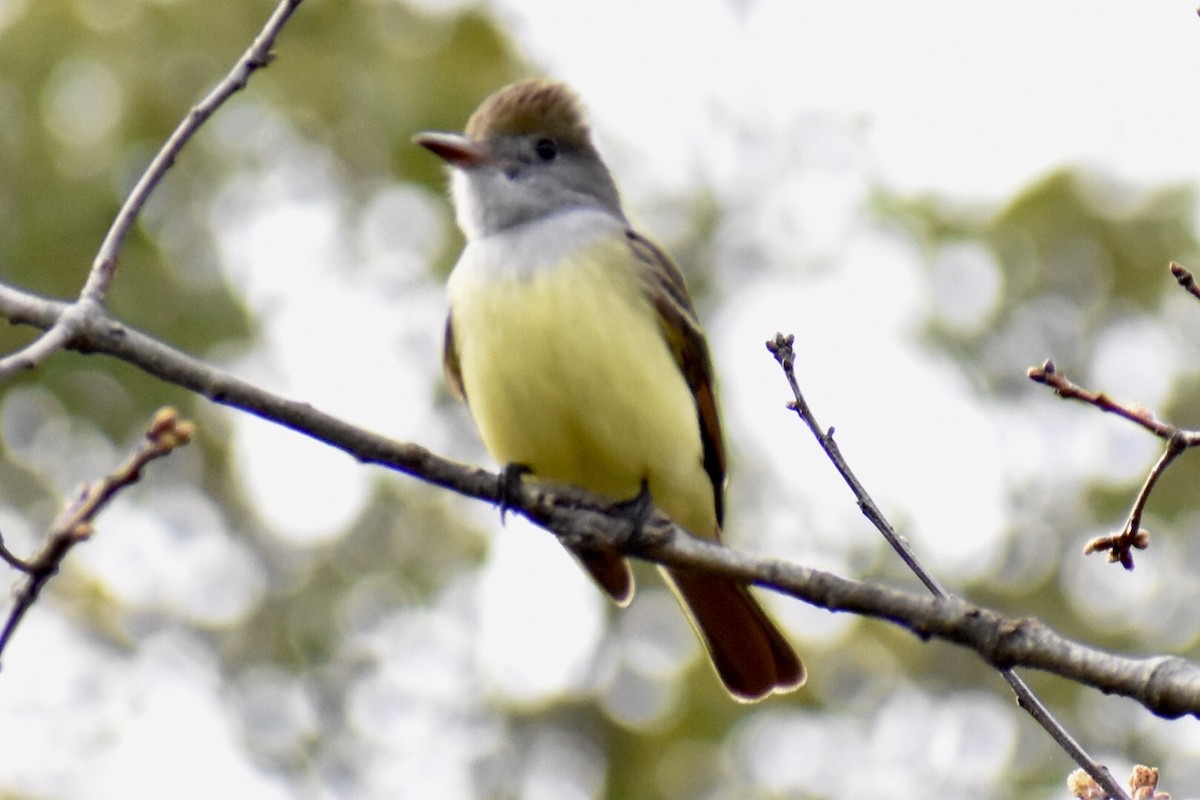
(455, 149)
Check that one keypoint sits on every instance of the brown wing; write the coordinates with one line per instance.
(666, 289)
(450, 363)
(751, 655)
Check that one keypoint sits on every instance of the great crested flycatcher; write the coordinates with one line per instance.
(575, 345)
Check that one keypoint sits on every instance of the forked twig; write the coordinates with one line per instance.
(104, 266)
(1120, 545)
(781, 348)
(74, 523)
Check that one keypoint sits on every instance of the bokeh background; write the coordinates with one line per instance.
(932, 197)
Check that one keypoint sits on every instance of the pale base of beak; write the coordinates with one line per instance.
(453, 148)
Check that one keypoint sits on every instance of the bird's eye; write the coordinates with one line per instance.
(546, 149)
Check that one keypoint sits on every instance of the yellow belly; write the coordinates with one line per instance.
(566, 372)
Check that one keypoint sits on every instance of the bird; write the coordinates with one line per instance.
(574, 342)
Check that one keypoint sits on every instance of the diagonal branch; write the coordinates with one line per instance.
(104, 266)
(781, 348)
(74, 523)
(1049, 375)
(1167, 686)
(257, 56)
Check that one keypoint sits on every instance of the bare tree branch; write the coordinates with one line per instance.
(781, 348)
(1120, 545)
(1166, 685)
(104, 266)
(74, 524)
(1049, 375)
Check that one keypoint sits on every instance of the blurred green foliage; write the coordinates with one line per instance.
(1101, 247)
(1085, 248)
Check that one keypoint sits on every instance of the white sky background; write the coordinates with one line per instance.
(966, 99)
(969, 98)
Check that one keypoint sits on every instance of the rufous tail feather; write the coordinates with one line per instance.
(749, 652)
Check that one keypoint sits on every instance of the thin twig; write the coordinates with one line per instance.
(12, 559)
(1049, 375)
(257, 56)
(74, 524)
(1120, 545)
(35, 352)
(1185, 279)
(781, 348)
(104, 265)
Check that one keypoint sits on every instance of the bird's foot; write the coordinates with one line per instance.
(509, 486)
(637, 510)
